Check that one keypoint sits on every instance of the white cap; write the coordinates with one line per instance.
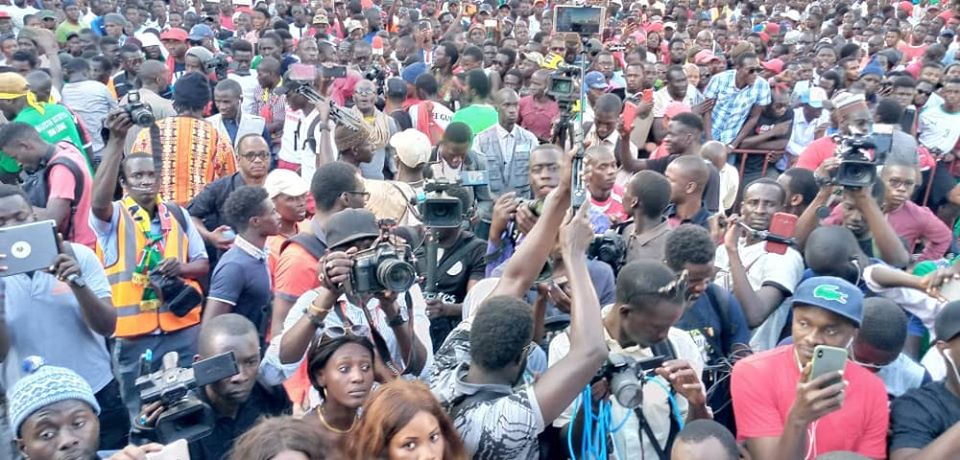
(286, 182)
(412, 146)
(148, 39)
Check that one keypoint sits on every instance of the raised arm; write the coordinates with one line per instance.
(528, 260)
(105, 182)
(563, 381)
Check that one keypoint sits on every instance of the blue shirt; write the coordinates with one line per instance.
(705, 324)
(733, 105)
(241, 279)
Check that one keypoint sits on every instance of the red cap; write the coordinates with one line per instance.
(773, 65)
(905, 6)
(4, 15)
(174, 34)
(946, 15)
(705, 57)
(772, 28)
(655, 27)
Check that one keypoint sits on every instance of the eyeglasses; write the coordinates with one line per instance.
(898, 183)
(363, 91)
(358, 330)
(923, 93)
(253, 156)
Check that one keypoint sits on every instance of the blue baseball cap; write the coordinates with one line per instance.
(412, 71)
(833, 294)
(813, 97)
(595, 80)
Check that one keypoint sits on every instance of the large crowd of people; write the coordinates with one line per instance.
(513, 229)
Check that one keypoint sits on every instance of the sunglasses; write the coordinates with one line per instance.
(923, 93)
(357, 330)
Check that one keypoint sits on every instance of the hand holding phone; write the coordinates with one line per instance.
(821, 393)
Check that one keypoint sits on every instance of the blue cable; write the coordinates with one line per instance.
(597, 427)
(671, 399)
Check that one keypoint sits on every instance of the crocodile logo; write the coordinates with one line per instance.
(830, 292)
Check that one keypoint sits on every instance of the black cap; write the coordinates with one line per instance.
(396, 87)
(947, 324)
(350, 225)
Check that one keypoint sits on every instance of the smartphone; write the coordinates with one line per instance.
(177, 450)
(827, 359)
(629, 114)
(782, 227)
(337, 71)
(648, 95)
(302, 72)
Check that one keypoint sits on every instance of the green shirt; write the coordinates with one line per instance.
(477, 116)
(54, 125)
(66, 28)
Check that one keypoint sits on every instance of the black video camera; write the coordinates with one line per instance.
(440, 210)
(856, 169)
(185, 416)
(609, 248)
(562, 88)
(384, 267)
(219, 65)
(140, 113)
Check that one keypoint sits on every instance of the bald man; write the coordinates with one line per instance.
(506, 147)
(41, 84)
(688, 176)
(716, 153)
(154, 80)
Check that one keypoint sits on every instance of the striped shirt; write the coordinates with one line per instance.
(733, 105)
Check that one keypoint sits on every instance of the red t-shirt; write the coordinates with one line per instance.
(62, 184)
(911, 52)
(612, 207)
(817, 151)
(764, 386)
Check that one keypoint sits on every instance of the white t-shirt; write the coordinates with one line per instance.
(662, 98)
(442, 116)
(939, 129)
(248, 84)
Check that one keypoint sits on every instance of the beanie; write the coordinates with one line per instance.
(43, 386)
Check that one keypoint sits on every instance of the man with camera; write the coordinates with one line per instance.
(804, 408)
(236, 403)
(367, 286)
(152, 253)
(639, 326)
(851, 116)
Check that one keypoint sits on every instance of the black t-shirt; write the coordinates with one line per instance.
(921, 415)
(263, 402)
(765, 123)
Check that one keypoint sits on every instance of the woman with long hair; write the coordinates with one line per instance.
(403, 420)
(279, 438)
(340, 367)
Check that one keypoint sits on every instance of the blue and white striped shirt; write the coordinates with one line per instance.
(733, 105)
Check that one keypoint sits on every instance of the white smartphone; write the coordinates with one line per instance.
(177, 450)
(950, 290)
(827, 359)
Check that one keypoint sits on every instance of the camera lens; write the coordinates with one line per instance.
(626, 387)
(396, 275)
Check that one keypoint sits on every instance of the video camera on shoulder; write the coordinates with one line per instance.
(184, 416)
(856, 169)
(440, 210)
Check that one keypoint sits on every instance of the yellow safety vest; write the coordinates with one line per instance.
(133, 319)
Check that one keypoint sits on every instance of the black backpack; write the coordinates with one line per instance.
(35, 185)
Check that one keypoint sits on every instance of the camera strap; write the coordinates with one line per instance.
(663, 348)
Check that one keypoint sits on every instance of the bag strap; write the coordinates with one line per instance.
(310, 243)
(77, 188)
(455, 256)
(177, 212)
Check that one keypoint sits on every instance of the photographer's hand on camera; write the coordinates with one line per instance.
(686, 382)
(170, 267)
(504, 210)
(118, 122)
(825, 172)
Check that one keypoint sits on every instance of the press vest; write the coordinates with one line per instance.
(133, 319)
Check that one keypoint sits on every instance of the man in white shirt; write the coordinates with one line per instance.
(242, 52)
(806, 120)
(940, 123)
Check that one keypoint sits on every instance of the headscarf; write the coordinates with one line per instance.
(349, 139)
(378, 130)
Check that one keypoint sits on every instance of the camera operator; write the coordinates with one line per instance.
(123, 229)
(238, 402)
(460, 265)
(850, 115)
(649, 301)
(406, 348)
(760, 279)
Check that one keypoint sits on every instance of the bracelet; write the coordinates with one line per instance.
(316, 322)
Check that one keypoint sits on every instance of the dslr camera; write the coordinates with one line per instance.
(626, 377)
(185, 416)
(384, 267)
(609, 248)
(856, 169)
(139, 112)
